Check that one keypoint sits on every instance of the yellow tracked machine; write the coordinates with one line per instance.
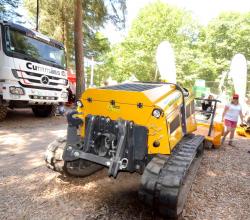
(134, 127)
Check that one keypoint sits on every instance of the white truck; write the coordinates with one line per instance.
(32, 71)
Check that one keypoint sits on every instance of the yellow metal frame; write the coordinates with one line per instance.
(242, 132)
(97, 101)
(216, 134)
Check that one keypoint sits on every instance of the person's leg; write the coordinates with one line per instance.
(232, 134)
(231, 137)
(225, 135)
(227, 124)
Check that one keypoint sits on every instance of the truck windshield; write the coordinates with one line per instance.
(24, 46)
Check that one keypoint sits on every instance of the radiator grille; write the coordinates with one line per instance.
(132, 87)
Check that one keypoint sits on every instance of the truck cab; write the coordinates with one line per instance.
(32, 71)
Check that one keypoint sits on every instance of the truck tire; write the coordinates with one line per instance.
(3, 112)
(77, 168)
(44, 110)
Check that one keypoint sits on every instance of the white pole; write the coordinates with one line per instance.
(92, 73)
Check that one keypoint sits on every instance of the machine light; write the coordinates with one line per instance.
(64, 95)
(157, 113)
(64, 82)
(16, 90)
(79, 103)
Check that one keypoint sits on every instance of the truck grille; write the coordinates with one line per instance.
(39, 75)
(31, 79)
(39, 87)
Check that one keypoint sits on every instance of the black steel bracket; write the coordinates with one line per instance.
(116, 162)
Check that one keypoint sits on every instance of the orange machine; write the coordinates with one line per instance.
(213, 131)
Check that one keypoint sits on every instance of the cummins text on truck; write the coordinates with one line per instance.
(32, 71)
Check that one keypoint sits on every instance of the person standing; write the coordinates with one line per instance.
(230, 117)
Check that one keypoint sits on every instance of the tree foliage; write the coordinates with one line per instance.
(201, 51)
(227, 35)
(56, 20)
(8, 9)
(155, 23)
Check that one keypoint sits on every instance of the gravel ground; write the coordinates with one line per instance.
(28, 190)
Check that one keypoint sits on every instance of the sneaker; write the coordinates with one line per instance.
(223, 140)
(231, 144)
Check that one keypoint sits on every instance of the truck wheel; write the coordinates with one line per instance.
(3, 112)
(77, 168)
(44, 110)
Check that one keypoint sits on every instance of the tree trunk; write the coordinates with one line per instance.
(63, 38)
(66, 29)
(37, 14)
(78, 38)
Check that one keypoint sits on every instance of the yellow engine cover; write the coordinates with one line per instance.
(136, 102)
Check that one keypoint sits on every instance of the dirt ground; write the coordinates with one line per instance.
(28, 190)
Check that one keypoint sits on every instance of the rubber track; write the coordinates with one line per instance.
(167, 179)
(78, 168)
(53, 155)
